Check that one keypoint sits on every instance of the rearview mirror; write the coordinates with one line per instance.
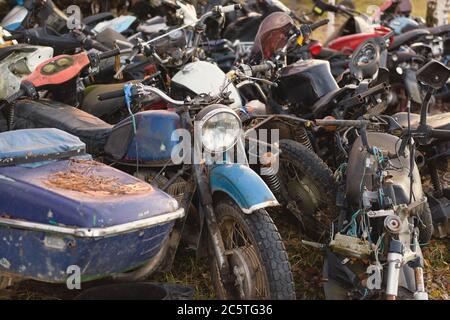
(434, 74)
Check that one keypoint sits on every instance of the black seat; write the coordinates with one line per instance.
(437, 121)
(96, 18)
(50, 114)
(407, 37)
(441, 30)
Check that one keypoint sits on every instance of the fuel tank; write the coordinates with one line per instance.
(358, 175)
(303, 83)
(203, 77)
(152, 143)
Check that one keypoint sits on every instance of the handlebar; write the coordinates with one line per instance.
(231, 8)
(220, 10)
(319, 24)
(111, 95)
(109, 54)
(261, 68)
(342, 123)
(439, 134)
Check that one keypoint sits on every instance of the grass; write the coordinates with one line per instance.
(306, 265)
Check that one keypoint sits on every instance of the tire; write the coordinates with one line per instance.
(426, 227)
(267, 247)
(315, 195)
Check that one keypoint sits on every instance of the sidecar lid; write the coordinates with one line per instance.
(81, 198)
(34, 146)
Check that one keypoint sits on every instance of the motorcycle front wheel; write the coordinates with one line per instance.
(256, 254)
(308, 189)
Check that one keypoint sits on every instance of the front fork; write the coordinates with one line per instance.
(396, 261)
(218, 246)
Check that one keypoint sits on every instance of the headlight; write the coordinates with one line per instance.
(220, 128)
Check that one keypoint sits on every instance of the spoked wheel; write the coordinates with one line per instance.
(256, 254)
(308, 188)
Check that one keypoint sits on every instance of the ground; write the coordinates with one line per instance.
(306, 262)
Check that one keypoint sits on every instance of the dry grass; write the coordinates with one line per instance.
(306, 265)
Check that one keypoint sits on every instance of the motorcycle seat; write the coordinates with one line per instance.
(93, 131)
(407, 37)
(96, 18)
(437, 121)
(437, 31)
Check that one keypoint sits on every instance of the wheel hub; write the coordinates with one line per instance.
(247, 271)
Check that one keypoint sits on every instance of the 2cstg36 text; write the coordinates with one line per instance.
(230, 309)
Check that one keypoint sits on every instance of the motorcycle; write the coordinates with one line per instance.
(62, 212)
(432, 156)
(353, 32)
(307, 87)
(237, 256)
(302, 174)
(46, 13)
(384, 218)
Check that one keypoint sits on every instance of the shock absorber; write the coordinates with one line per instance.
(11, 115)
(395, 260)
(435, 180)
(303, 138)
(268, 172)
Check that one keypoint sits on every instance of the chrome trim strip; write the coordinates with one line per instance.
(95, 232)
(270, 203)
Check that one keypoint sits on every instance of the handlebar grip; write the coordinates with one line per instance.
(231, 8)
(111, 95)
(440, 134)
(109, 54)
(319, 24)
(260, 68)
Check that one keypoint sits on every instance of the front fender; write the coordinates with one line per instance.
(243, 185)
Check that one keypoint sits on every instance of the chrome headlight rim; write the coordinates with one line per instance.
(216, 110)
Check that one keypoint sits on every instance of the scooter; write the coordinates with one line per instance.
(17, 62)
(63, 212)
(144, 144)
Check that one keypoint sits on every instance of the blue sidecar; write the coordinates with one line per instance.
(59, 208)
